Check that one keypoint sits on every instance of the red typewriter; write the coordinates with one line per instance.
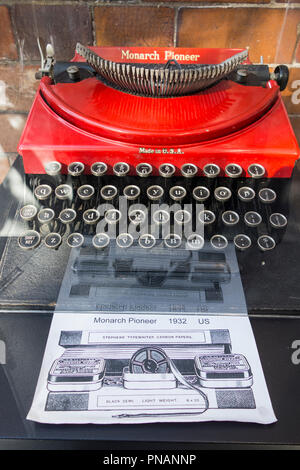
(157, 156)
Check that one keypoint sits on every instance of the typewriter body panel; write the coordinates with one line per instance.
(219, 159)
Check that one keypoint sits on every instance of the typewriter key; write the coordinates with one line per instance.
(53, 240)
(255, 170)
(76, 168)
(206, 217)
(161, 217)
(29, 240)
(46, 215)
(278, 220)
(155, 192)
(166, 170)
(266, 243)
(85, 192)
(188, 170)
(64, 191)
(252, 219)
(75, 240)
(201, 193)
(98, 168)
(131, 192)
(267, 195)
(91, 216)
(42, 192)
(230, 218)
(137, 216)
(242, 242)
(195, 242)
(28, 212)
(101, 240)
(173, 240)
(246, 194)
(112, 216)
(219, 242)
(177, 193)
(211, 170)
(144, 169)
(124, 240)
(67, 216)
(233, 170)
(147, 241)
(108, 192)
(222, 193)
(53, 168)
(182, 216)
(121, 169)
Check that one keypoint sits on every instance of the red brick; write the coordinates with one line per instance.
(11, 126)
(291, 95)
(66, 24)
(210, 1)
(134, 26)
(8, 48)
(17, 87)
(271, 33)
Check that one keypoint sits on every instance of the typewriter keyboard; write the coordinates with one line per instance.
(149, 211)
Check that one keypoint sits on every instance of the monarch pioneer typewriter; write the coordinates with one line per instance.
(150, 164)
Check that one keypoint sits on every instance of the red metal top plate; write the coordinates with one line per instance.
(212, 113)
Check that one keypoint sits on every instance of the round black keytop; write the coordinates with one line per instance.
(233, 170)
(85, 192)
(252, 219)
(67, 216)
(182, 216)
(124, 240)
(53, 240)
(121, 169)
(64, 191)
(230, 217)
(246, 194)
(222, 193)
(201, 193)
(137, 216)
(147, 241)
(144, 169)
(177, 193)
(76, 168)
(29, 240)
(267, 195)
(161, 217)
(108, 192)
(53, 168)
(91, 216)
(101, 240)
(188, 170)
(195, 242)
(173, 240)
(75, 240)
(167, 170)
(42, 192)
(98, 168)
(46, 215)
(278, 220)
(28, 212)
(131, 192)
(242, 242)
(255, 170)
(155, 192)
(206, 217)
(266, 243)
(219, 242)
(112, 216)
(211, 170)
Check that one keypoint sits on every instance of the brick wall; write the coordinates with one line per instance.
(270, 28)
